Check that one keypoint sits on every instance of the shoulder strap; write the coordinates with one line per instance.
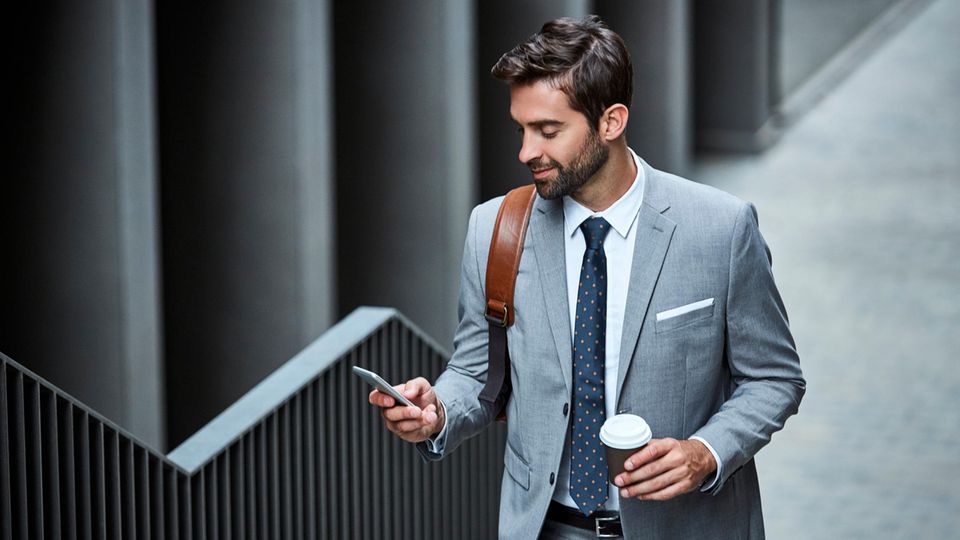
(503, 261)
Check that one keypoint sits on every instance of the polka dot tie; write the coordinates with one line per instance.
(588, 465)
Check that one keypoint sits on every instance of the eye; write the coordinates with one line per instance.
(549, 134)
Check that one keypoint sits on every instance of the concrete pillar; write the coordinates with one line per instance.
(734, 73)
(405, 155)
(657, 33)
(79, 289)
(502, 25)
(246, 153)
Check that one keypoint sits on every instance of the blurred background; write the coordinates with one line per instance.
(196, 191)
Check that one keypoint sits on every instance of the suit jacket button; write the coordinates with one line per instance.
(566, 408)
(552, 478)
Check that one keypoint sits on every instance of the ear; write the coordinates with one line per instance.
(613, 121)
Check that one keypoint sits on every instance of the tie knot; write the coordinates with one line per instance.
(594, 229)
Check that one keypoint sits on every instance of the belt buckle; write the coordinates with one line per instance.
(600, 524)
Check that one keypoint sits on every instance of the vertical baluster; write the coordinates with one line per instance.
(309, 452)
(141, 492)
(6, 480)
(286, 483)
(114, 490)
(68, 468)
(334, 439)
(296, 453)
(236, 488)
(224, 496)
(263, 486)
(198, 494)
(34, 457)
(128, 493)
(211, 496)
(184, 486)
(98, 489)
(159, 497)
(50, 444)
(250, 482)
(274, 475)
(263, 480)
(322, 436)
(20, 500)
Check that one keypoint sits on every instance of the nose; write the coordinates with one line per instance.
(529, 150)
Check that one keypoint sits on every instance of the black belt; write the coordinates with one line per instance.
(605, 524)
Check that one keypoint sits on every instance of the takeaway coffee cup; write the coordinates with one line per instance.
(623, 435)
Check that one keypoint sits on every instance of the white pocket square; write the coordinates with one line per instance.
(677, 311)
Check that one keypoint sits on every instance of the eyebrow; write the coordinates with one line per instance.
(542, 123)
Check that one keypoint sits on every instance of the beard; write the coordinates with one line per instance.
(592, 156)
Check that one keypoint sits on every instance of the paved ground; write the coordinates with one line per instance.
(860, 203)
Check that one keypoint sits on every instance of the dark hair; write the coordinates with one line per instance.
(584, 59)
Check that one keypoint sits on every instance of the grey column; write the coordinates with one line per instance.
(79, 247)
(405, 156)
(734, 74)
(502, 25)
(247, 195)
(657, 33)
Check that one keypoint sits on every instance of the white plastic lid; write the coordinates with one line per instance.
(625, 431)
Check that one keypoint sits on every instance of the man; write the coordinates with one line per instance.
(668, 280)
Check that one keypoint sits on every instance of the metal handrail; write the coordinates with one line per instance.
(300, 455)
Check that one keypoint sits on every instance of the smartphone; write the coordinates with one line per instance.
(377, 382)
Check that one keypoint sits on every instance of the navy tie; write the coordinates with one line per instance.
(588, 465)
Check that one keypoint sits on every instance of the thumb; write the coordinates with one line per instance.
(416, 387)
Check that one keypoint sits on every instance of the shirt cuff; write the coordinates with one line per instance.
(437, 443)
(708, 484)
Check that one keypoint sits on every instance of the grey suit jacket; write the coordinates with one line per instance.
(728, 373)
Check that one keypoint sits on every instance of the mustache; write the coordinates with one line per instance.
(537, 165)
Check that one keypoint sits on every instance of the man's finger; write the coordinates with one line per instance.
(646, 472)
(667, 493)
(653, 450)
(397, 414)
(380, 399)
(654, 484)
(407, 426)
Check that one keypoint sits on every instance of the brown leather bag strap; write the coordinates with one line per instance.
(503, 262)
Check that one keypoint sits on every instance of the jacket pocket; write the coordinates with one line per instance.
(517, 468)
(684, 315)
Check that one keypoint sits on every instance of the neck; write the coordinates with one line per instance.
(609, 183)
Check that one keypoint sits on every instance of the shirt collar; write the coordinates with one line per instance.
(621, 214)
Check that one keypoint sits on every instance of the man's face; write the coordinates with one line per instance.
(558, 144)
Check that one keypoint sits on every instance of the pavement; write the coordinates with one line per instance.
(860, 204)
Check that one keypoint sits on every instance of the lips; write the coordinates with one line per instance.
(540, 174)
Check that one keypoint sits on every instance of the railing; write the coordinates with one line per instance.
(299, 456)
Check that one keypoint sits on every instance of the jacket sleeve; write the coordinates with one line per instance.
(766, 381)
(459, 386)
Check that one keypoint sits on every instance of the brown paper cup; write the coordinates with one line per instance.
(622, 436)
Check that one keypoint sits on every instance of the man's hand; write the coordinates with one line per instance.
(411, 424)
(665, 468)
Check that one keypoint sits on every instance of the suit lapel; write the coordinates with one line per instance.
(547, 229)
(654, 232)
